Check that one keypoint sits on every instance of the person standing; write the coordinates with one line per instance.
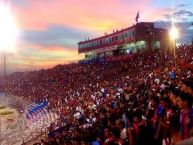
(186, 115)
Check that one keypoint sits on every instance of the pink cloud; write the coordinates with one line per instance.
(97, 15)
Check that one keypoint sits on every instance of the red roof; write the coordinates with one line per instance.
(102, 37)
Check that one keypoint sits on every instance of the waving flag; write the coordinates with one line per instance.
(137, 17)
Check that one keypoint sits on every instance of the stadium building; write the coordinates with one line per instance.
(139, 37)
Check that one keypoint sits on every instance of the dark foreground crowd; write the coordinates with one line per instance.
(135, 99)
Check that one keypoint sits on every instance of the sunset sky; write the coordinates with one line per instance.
(50, 29)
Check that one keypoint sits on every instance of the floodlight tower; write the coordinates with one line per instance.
(8, 31)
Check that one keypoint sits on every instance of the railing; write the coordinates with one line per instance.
(25, 130)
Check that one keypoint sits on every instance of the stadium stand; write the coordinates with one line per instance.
(144, 98)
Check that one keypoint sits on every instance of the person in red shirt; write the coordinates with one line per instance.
(186, 115)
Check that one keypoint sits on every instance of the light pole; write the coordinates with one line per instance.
(4, 63)
(4, 71)
(0, 130)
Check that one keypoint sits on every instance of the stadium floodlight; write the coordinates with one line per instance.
(174, 34)
(8, 29)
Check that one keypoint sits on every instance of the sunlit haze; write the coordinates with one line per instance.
(8, 29)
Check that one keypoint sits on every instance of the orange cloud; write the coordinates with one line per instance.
(37, 57)
(94, 15)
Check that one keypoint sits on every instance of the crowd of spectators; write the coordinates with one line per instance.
(137, 99)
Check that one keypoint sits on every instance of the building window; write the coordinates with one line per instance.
(133, 32)
(122, 36)
(119, 37)
(106, 41)
(110, 40)
(126, 35)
